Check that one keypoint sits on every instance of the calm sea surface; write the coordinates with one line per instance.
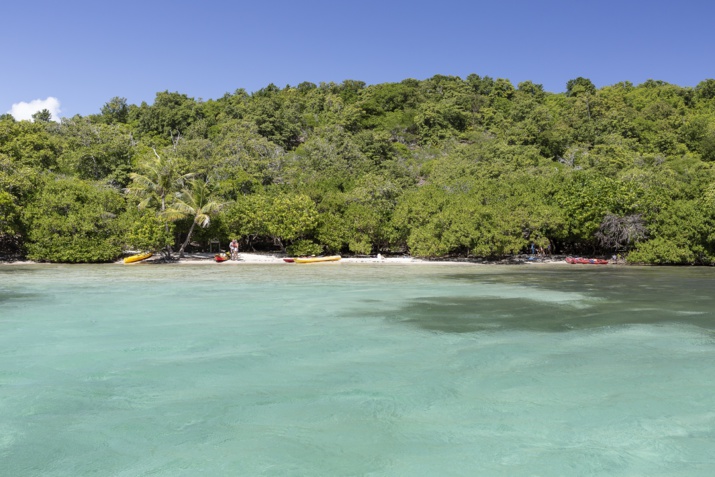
(356, 369)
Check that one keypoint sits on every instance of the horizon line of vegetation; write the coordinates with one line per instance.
(446, 166)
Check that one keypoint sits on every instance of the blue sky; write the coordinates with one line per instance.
(83, 53)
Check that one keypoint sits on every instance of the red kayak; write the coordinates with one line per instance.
(289, 260)
(221, 257)
(586, 261)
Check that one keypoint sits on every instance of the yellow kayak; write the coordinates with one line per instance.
(138, 257)
(332, 258)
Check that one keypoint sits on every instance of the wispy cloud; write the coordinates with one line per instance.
(23, 110)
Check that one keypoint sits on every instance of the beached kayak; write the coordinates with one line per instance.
(289, 260)
(222, 257)
(138, 257)
(332, 258)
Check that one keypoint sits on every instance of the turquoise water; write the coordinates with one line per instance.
(356, 369)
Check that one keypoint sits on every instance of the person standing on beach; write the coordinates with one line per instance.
(234, 249)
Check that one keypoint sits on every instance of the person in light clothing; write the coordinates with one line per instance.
(234, 249)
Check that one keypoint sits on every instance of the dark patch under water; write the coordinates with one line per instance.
(9, 298)
(617, 297)
(468, 314)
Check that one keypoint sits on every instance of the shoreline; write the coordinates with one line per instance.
(253, 258)
(273, 258)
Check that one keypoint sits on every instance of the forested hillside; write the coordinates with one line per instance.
(441, 167)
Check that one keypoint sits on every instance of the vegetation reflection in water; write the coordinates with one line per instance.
(356, 370)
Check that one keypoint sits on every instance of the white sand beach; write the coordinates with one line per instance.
(268, 258)
(277, 258)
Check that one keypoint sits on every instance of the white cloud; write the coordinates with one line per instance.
(23, 110)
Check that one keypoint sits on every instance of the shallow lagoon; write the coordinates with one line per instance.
(357, 369)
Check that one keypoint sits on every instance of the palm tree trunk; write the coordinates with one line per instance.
(188, 238)
(166, 224)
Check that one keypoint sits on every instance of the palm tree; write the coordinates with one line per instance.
(160, 179)
(195, 201)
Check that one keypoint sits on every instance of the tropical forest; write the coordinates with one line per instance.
(434, 168)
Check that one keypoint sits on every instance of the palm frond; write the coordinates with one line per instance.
(142, 181)
(212, 207)
(182, 207)
(172, 215)
(145, 203)
(202, 220)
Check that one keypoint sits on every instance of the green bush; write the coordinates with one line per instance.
(303, 248)
(72, 221)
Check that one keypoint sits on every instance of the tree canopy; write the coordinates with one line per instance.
(437, 167)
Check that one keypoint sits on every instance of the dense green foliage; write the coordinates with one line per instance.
(444, 166)
(70, 220)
